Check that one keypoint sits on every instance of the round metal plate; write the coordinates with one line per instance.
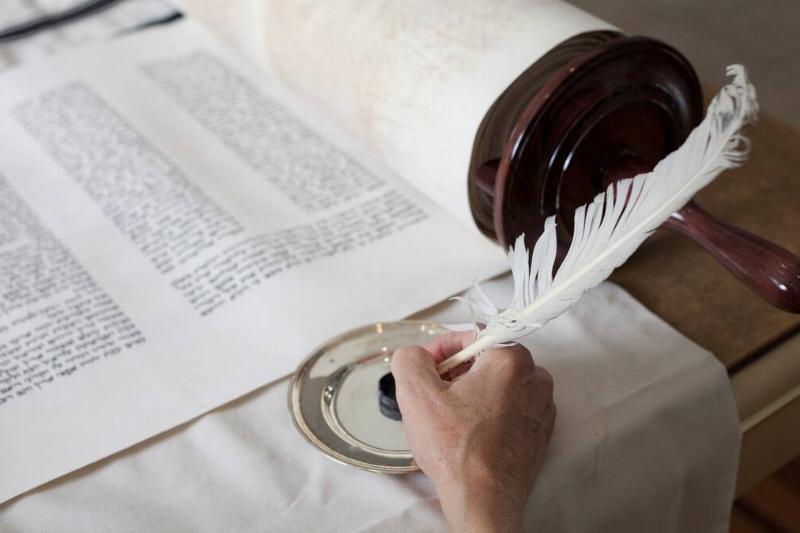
(334, 396)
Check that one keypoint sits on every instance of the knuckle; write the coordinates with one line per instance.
(552, 414)
(402, 359)
(512, 363)
(505, 365)
(409, 364)
(521, 359)
(407, 354)
(521, 350)
(544, 375)
(544, 382)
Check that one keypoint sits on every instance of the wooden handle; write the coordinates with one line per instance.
(768, 270)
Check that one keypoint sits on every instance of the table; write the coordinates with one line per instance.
(646, 440)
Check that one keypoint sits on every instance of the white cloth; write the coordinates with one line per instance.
(646, 440)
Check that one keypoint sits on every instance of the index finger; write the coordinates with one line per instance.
(446, 344)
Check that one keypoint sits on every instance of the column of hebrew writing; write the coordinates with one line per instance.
(412, 80)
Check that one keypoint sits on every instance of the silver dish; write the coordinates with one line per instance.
(334, 396)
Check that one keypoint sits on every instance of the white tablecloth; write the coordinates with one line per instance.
(646, 440)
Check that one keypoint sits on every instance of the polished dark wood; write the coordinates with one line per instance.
(608, 114)
(765, 268)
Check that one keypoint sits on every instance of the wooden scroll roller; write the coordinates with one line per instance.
(610, 111)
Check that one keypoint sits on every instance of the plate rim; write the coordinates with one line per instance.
(300, 422)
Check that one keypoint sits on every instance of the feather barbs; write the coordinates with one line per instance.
(609, 229)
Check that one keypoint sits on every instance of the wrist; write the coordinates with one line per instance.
(481, 507)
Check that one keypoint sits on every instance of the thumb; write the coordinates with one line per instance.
(414, 367)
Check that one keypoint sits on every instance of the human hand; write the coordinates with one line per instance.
(482, 437)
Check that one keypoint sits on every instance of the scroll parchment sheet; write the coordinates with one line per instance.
(412, 80)
(176, 231)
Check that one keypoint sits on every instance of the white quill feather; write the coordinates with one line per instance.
(608, 230)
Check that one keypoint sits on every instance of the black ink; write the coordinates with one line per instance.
(311, 172)
(143, 193)
(387, 398)
(54, 318)
(232, 272)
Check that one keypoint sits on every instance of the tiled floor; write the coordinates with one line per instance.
(771, 506)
